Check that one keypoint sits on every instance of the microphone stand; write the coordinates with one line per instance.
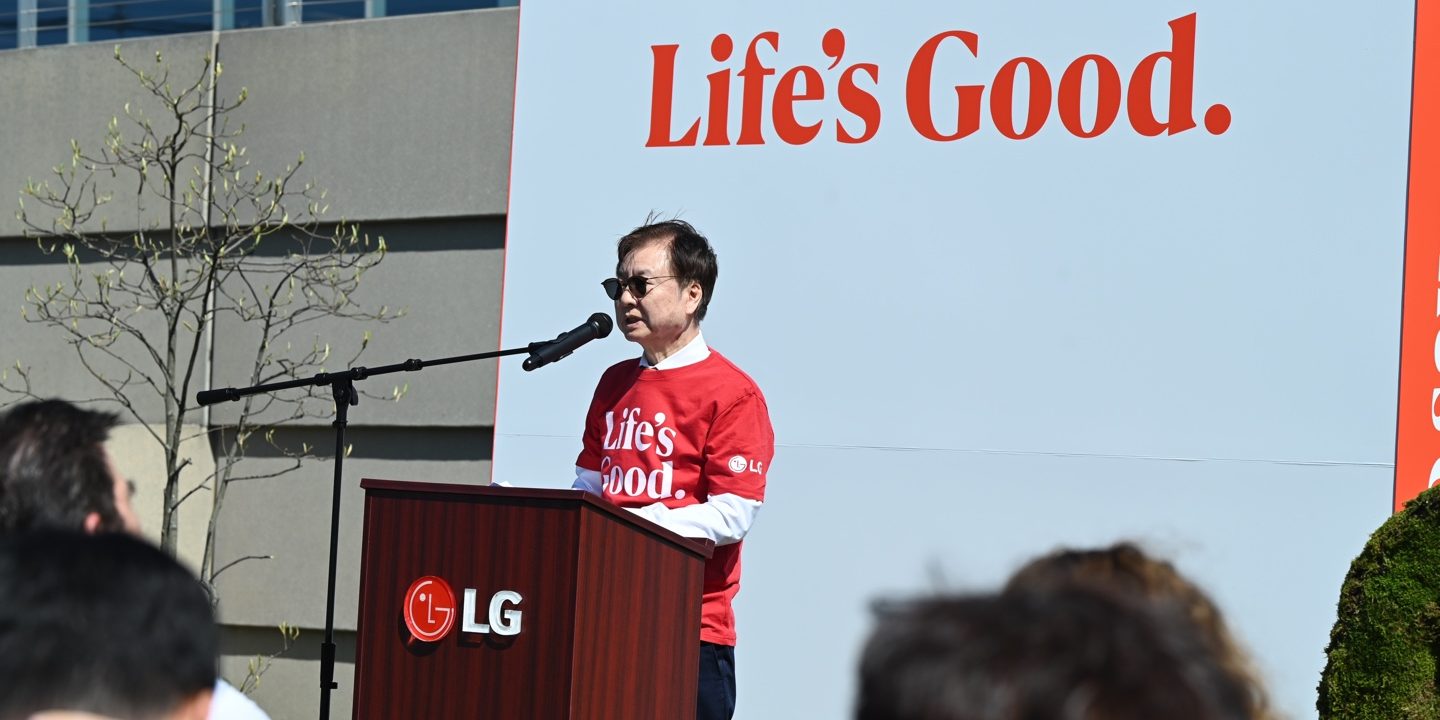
(342, 387)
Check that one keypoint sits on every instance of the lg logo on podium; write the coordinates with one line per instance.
(430, 611)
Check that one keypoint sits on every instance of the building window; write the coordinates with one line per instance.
(316, 11)
(33, 23)
(121, 19)
(420, 7)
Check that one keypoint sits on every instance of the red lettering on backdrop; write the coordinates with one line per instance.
(719, 133)
(859, 103)
(1181, 57)
(786, 126)
(854, 100)
(804, 84)
(1107, 96)
(662, 85)
(917, 90)
(753, 88)
(1002, 98)
(1417, 430)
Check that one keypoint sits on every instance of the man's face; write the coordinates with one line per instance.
(658, 320)
(123, 491)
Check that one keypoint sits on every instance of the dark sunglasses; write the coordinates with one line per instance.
(638, 285)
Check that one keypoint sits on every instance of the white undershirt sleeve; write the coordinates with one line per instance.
(723, 518)
(587, 480)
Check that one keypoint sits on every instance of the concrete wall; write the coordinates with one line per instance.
(407, 123)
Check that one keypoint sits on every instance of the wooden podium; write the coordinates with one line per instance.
(537, 604)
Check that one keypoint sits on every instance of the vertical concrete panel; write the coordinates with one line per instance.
(46, 350)
(141, 458)
(403, 117)
(61, 93)
(446, 276)
(412, 137)
(288, 688)
(283, 516)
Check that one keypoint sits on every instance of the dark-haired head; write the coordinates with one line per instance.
(1071, 655)
(54, 471)
(692, 259)
(1130, 574)
(102, 623)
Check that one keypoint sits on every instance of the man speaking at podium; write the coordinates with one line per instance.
(682, 437)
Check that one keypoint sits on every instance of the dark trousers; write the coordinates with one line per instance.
(716, 699)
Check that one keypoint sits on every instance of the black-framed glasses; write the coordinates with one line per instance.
(638, 285)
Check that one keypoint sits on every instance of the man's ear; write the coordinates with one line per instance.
(92, 523)
(693, 295)
(195, 707)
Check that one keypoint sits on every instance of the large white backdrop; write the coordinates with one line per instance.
(977, 350)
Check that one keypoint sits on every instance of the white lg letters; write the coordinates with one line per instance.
(502, 621)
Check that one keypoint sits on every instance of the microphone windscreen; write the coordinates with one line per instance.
(603, 324)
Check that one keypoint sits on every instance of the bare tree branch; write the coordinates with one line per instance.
(215, 238)
(237, 561)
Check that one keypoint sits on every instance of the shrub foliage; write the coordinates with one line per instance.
(1381, 661)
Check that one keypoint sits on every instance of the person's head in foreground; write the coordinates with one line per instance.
(55, 473)
(1131, 573)
(1063, 655)
(102, 623)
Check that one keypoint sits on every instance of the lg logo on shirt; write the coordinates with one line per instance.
(739, 464)
(430, 611)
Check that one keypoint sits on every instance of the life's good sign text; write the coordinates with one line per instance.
(861, 113)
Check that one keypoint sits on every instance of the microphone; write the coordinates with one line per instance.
(598, 326)
(210, 397)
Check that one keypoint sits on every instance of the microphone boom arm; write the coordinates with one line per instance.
(210, 397)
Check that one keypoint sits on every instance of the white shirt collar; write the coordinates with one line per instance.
(693, 352)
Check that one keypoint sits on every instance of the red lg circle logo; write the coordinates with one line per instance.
(429, 609)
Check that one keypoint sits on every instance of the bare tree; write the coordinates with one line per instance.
(216, 239)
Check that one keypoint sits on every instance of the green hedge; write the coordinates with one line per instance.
(1382, 659)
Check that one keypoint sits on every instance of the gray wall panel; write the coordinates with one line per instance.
(447, 275)
(290, 688)
(55, 94)
(289, 518)
(399, 118)
(55, 370)
(407, 122)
